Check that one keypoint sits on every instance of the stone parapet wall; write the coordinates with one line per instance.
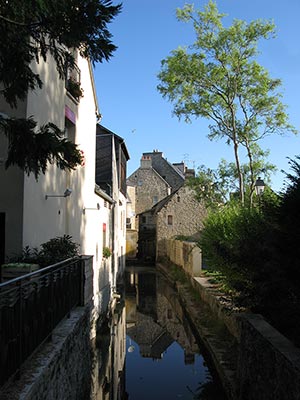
(269, 364)
(185, 254)
(61, 368)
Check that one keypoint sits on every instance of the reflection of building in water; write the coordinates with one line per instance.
(154, 316)
(108, 380)
(171, 315)
(153, 340)
(141, 315)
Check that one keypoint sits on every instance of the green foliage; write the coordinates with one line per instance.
(35, 30)
(32, 152)
(257, 251)
(74, 88)
(55, 27)
(178, 274)
(51, 252)
(218, 78)
(288, 221)
(58, 249)
(230, 244)
(27, 256)
(106, 252)
(184, 238)
(207, 188)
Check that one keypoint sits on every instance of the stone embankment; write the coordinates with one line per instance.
(219, 344)
(252, 359)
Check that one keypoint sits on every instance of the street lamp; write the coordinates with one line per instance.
(67, 193)
(259, 186)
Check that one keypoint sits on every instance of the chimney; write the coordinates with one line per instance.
(189, 172)
(146, 161)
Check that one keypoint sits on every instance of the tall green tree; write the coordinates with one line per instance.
(208, 187)
(31, 30)
(218, 78)
(215, 187)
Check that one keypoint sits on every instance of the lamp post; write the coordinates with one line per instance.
(259, 186)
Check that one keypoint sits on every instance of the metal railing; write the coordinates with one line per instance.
(30, 308)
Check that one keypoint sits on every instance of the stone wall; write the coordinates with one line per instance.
(187, 218)
(61, 368)
(131, 243)
(269, 364)
(148, 184)
(186, 255)
(166, 170)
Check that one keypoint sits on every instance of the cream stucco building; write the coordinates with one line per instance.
(34, 211)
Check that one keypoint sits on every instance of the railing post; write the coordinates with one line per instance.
(51, 308)
(82, 281)
(19, 334)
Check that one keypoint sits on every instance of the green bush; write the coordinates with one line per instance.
(236, 241)
(51, 252)
(106, 252)
(257, 251)
(58, 249)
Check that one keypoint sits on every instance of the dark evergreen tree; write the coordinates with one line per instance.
(32, 30)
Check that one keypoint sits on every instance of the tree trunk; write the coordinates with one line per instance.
(249, 153)
(240, 175)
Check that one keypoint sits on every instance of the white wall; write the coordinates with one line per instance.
(47, 218)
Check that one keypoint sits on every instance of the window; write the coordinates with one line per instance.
(170, 220)
(73, 82)
(155, 199)
(143, 220)
(70, 128)
(128, 223)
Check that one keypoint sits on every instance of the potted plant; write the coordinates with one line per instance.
(74, 88)
(106, 252)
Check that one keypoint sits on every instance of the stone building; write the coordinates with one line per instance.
(154, 180)
(178, 214)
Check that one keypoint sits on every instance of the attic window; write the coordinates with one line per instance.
(170, 220)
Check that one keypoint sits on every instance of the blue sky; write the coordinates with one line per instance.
(146, 31)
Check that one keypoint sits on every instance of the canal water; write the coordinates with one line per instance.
(148, 351)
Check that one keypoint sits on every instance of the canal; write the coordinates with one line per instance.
(148, 349)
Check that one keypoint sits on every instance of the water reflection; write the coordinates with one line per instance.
(108, 377)
(161, 359)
